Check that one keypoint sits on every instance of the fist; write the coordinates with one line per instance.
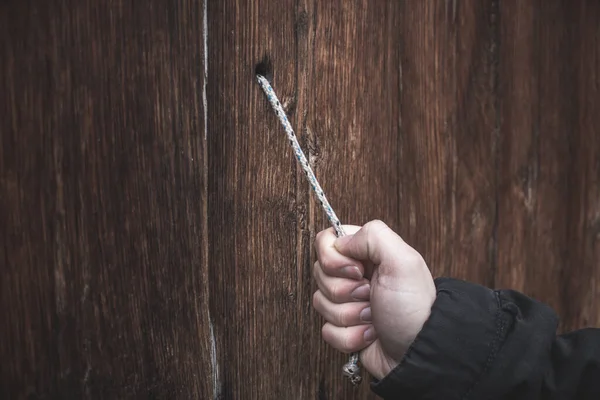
(375, 293)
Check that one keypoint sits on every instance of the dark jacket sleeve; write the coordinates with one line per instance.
(480, 343)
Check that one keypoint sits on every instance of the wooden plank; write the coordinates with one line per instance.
(580, 276)
(475, 135)
(352, 132)
(155, 247)
(368, 160)
(101, 201)
(519, 180)
(547, 169)
(447, 169)
(252, 202)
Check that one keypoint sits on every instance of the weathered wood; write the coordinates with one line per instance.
(580, 276)
(103, 287)
(447, 168)
(547, 177)
(534, 149)
(252, 203)
(352, 132)
(156, 232)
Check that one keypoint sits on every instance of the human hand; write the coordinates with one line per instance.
(375, 292)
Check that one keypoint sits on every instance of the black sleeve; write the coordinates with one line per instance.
(484, 344)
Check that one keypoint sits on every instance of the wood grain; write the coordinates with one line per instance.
(156, 232)
(352, 133)
(101, 198)
(534, 149)
(580, 276)
(447, 170)
(548, 79)
(252, 203)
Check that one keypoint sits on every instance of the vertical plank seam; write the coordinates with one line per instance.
(310, 210)
(574, 251)
(205, 50)
(302, 198)
(399, 124)
(496, 135)
(454, 145)
(297, 205)
(213, 346)
(533, 159)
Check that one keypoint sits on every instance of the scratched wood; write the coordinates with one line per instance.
(156, 231)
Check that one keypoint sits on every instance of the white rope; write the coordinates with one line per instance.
(351, 369)
(266, 86)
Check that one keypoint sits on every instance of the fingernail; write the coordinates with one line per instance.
(352, 272)
(370, 335)
(365, 315)
(362, 292)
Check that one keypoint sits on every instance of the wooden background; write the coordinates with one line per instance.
(155, 231)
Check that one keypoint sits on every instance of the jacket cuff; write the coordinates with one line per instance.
(454, 349)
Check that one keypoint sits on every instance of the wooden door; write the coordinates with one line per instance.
(155, 230)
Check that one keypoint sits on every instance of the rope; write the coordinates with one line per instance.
(266, 86)
(350, 369)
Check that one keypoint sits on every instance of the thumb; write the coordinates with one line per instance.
(375, 242)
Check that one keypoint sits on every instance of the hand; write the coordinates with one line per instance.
(375, 292)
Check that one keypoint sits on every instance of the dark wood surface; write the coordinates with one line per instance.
(104, 289)
(548, 235)
(155, 230)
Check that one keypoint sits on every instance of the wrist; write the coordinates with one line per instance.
(392, 357)
(388, 366)
(381, 365)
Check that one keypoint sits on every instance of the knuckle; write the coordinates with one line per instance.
(343, 318)
(324, 333)
(414, 259)
(315, 270)
(328, 335)
(375, 227)
(316, 301)
(378, 222)
(334, 292)
(350, 343)
(338, 291)
(375, 224)
(325, 261)
(319, 236)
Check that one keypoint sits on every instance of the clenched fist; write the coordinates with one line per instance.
(375, 292)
